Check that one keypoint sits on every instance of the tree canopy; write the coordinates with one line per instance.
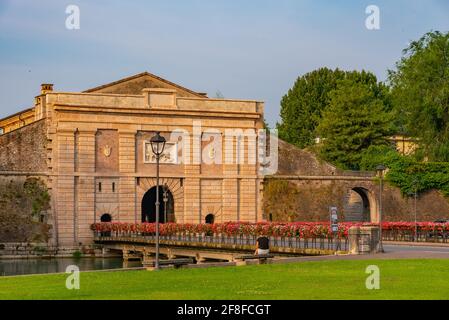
(355, 119)
(317, 101)
(303, 105)
(351, 110)
(420, 91)
(354, 114)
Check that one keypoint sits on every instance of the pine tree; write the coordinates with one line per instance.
(354, 120)
(303, 105)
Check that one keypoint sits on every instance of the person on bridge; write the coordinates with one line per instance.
(262, 245)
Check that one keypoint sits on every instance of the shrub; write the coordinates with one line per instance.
(406, 173)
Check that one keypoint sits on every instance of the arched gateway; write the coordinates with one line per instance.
(166, 208)
(360, 205)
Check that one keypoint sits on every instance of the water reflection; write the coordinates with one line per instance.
(37, 266)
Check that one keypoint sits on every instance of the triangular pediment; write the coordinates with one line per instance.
(135, 84)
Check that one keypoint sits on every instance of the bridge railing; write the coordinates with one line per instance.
(421, 236)
(354, 173)
(277, 243)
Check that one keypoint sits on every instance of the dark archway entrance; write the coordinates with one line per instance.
(357, 205)
(149, 206)
(106, 218)
(210, 218)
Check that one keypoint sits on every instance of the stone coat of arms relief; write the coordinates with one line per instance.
(107, 150)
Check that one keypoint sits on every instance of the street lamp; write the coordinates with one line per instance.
(380, 171)
(415, 184)
(165, 199)
(157, 146)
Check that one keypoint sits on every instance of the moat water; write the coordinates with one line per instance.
(39, 266)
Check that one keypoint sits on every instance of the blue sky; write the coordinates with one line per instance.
(245, 49)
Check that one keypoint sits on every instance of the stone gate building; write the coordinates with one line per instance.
(92, 149)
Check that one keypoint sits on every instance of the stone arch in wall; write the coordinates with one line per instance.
(360, 205)
(174, 185)
(166, 205)
(106, 217)
(210, 219)
(109, 208)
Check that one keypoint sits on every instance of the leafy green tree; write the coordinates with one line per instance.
(420, 90)
(405, 172)
(355, 119)
(303, 105)
(379, 154)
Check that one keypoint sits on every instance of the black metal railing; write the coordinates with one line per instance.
(421, 236)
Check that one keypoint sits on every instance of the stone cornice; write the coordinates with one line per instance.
(293, 177)
(65, 131)
(86, 131)
(165, 176)
(157, 112)
(21, 173)
(130, 132)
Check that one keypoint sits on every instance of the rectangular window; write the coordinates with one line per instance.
(113, 187)
(99, 186)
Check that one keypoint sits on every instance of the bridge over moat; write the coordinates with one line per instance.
(204, 249)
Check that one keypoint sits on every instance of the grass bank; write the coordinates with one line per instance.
(399, 279)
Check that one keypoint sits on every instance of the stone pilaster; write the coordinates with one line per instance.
(192, 186)
(85, 186)
(259, 200)
(64, 192)
(127, 200)
(230, 200)
(127, 151)
(211, 198)
(247, 201)
(230, 166)
(193, 166)
(86, 151)
(127, 185)
(85, 208)
(191, 200)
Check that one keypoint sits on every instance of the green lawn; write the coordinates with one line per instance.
(400, 279)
